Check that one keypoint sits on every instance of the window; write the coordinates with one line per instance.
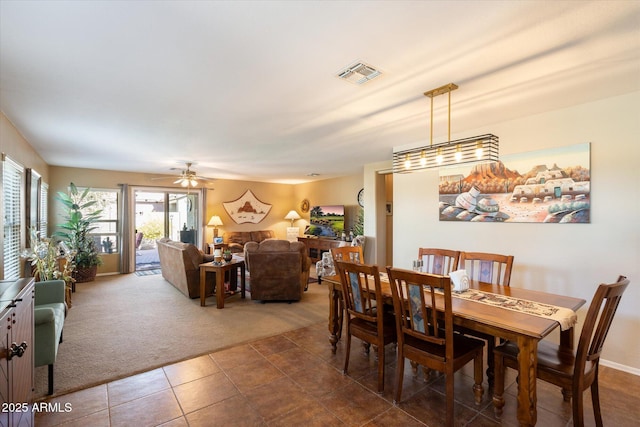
(106, 236)
(43, 219)
(13, 194)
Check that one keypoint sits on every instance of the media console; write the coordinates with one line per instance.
(316, 246)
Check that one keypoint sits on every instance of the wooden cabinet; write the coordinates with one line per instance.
(317, 246)
(16, 352)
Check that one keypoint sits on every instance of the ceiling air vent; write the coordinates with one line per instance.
(359, 73)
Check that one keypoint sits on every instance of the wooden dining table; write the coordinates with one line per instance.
(524, 329)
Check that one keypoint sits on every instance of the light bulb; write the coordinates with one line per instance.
(407, 162)
(479, 150)
(184, 183)
(439, 156)
(458, 154)
(423, 159)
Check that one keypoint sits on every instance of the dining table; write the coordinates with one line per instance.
(518, 326)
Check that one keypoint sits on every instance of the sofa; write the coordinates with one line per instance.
(49, 313)
(278, 269)
(180, 265)
(235, 240)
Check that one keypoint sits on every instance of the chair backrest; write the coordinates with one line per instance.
(438, 261)
(486, 267)
(360, 290)
(597, 323)
(348, 253)
(415, 294)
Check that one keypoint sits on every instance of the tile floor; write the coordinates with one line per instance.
(293, 379)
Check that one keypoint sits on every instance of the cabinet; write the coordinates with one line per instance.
(17, 300)
(317, 246)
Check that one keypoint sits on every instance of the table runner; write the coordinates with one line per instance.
(566, 317)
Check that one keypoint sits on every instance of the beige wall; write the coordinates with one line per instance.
(13, 144)
(569, 259)
(282, 197)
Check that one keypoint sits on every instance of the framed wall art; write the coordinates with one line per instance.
(546, 186)
(247, 208)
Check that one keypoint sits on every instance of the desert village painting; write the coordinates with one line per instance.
(548, 186)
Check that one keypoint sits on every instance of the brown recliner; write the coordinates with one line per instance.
(278, 269)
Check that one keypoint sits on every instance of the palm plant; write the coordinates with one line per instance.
(80, 221)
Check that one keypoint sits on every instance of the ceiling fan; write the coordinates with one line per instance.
(188, 178)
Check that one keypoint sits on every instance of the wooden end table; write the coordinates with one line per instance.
(219, 270)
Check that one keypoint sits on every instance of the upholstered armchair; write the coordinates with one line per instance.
(325, 267)
(278, 269)
(49, 313)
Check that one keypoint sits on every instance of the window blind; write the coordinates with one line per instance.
(44, 209)
(13, 190)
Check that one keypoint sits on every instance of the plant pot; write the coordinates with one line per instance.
(87, 274)
(227, 257)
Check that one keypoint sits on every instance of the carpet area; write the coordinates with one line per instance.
(126, 324)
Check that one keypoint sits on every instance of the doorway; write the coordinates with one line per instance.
(163, 213)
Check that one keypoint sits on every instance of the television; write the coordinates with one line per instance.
(326, 221)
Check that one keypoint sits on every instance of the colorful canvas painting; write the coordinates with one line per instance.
(547, 186)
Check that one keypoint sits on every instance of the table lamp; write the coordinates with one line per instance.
(292, 215)
(214, 222)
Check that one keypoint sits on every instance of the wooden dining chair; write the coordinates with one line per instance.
(365, 317)
(348, 253)
(574, 371)
(488, 268)
(438, 261)
(414, 296)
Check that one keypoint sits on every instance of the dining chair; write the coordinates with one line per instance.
(574, 371)
(348, 253)
(365, 316)
(415, 295)
(488, 268)
(438, 261)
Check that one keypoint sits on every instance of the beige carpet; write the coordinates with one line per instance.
(126, 324)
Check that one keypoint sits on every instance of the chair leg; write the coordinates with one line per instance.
(399, 375)
(477, 373)
(449, 396)
(498, 386)
(595, 398)
(380, 369)
(50, 391)
(577, 407)
(347, 351)
(491, 345)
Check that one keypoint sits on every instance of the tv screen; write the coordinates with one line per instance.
(326, 221)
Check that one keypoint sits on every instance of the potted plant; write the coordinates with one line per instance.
(227, 255)
(80, 221)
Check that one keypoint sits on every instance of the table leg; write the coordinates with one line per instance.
(203, 277)
(566, 341)
(220, 289)
(527, 367)
(243, 286)
(333, 317)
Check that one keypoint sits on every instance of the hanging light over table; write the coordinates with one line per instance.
(476, 149)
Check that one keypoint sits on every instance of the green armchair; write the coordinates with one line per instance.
(50, 311)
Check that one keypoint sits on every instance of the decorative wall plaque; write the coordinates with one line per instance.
(247, 209)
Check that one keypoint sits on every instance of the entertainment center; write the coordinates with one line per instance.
(316, 246)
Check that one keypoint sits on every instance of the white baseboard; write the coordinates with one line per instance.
(618, 366)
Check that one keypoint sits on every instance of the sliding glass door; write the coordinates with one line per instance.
(158, 213)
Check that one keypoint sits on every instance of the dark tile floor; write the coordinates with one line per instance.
(293, 379)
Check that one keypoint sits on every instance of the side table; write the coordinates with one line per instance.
(221, 246)
(219, 270)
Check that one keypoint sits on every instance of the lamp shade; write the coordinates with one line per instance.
(292, 215)
(215, 221)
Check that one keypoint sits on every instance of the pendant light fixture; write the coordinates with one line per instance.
(476, 149)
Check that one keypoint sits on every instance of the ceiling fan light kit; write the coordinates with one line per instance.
(475, 149)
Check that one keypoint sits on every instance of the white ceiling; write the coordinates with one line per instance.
(247, 90)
